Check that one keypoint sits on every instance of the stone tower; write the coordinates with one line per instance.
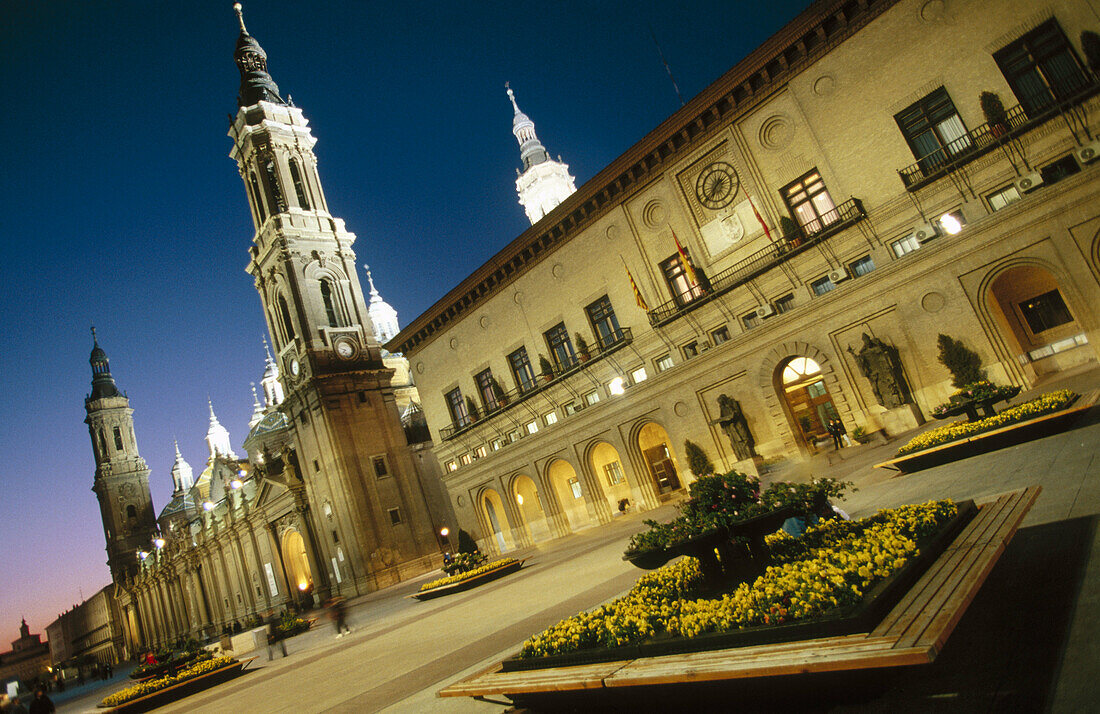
(121, 476)
(543, 183)
(349, 446)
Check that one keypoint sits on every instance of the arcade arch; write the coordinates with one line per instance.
(809, 406)
(608, 469)
(496, 517)
(567, 487)
(296, 561)
(529, 505)
(659, 457)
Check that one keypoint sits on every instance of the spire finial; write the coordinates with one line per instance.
(512, 97)
(255, 399)
(210, 403)
(240, 16)
(177, 443)
(267, 351)
(95, 340)
(370, 279)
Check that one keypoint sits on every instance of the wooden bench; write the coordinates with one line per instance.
(914, 632)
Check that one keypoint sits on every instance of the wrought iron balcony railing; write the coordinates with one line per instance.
(763, 260)
(504, 401)
(985, 138)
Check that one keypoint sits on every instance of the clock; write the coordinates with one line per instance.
(716, 185)
(345, 348)
(295, 368)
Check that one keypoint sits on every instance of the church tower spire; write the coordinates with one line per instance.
(337, 393)
(121, 476)
(544, 183)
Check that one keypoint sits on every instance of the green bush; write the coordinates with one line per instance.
(697, 459)
(964, 364)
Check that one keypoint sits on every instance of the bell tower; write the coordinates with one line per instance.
(349, 444)
(121, 476)
(544, 183)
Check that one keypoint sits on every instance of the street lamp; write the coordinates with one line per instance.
(158, 542)
(208, 505)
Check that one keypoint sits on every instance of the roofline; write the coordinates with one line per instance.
(799, 43)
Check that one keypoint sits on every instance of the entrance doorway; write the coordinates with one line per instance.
(493, 510)
(297, 563)
(808, 400)
(529, 505)
(566, 483)
(659, 457)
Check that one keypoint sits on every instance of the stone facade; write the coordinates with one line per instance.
(840, 180)
(27, 659)
(93, 629)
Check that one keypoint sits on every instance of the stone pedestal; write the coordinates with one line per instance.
(750, 466)
(900, 419)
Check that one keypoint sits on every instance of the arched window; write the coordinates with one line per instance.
(276, 190)
(131, 512)
(284, 313)
(102, 443)
(299, 187)
(330, 308)
(257, 196)
(118, 438)
(276, 329)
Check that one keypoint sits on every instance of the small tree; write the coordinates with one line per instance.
(466, 543)
(582, 345)
(471, 408)
(1090, 45)
(498, 391)
(788, 227)
(545, 368)
(964, 364)
(698, 461)
(993, 109)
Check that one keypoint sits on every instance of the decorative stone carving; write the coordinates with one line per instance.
(880, 364)
(732, 420)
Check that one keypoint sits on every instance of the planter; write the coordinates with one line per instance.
(178, 691)
(862, 617)
(650, 559)
(970, 407)
(469, 582)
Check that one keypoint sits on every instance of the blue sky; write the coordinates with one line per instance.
(124, 211)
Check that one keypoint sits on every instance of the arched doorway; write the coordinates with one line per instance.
(659, 457)
(1036, 321)
(608, 468)
(492, 508)
(810, 406)
(567, 487)
(296, 561)
(529, 505)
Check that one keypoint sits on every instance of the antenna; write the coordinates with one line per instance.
(665, 63)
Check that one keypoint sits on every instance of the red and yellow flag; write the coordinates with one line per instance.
(634, 286)
(759, 218)
(689, 269)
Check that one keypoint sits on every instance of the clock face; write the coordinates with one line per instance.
(345, 349)
(716, 185)
(295, 368)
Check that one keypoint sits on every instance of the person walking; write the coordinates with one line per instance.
(338, 612)
(833, 427)
(41, 704)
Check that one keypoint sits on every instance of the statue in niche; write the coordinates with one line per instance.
(880, 364)
(732, 421)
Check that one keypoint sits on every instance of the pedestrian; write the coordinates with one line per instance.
(844, 440)
(15, 707)
(338, 613)
(273, 638)
(834, 431)
(41, 704)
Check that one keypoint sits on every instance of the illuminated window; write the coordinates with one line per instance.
(532, 427)
(575, 485)
(591, 398)
(466, 459)
(906, 245)
(452, 466)
(550, 418)
(679, 282)
(639, 375)
(1002, 198)
(480, 452)
(810, 202)
(615, 386)
(614, 473)
(663, 363)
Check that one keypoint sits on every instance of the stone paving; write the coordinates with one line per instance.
(1028, 642)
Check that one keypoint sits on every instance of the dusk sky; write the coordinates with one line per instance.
(124, 211)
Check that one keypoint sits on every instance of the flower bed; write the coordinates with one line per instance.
(835, 577)
(152, 686)
(468, 579)
(983, 392)
(1045, 404)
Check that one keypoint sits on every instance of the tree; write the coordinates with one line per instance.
(964, 364)
(466, 543)
(697, 459)
(1090, 45)
(545, 368)
(993, 109)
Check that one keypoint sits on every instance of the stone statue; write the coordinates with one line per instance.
(879, 363)
(732, 420)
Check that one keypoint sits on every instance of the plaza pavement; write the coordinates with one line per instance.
(1027, 643)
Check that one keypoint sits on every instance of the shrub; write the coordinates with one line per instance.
(463, 562)
(993, 109)
(787, 227)
(1090, 45)
(697, 459)
(545, 368)
(964, 364)
(581, 344)
(466, 543)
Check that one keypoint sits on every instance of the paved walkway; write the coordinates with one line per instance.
(1028, 643)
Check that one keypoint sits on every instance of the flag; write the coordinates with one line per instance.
(689, 269)
(634, 286)
(759, 218)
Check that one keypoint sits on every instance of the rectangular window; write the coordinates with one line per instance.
(1042, 68)
(810, 203)
(784, 303)
(906, 245)
(466, 459)
(604, 323)
(861, 267)
(1058, 170)
(561, 348)
(616, 386)
(722, 334)
(591, 398)
(662, 363)
(822, 286)
(572, 408)
(1045, 311)
(496, 444)
(460, 417)
(380, 470)
(532, 427)
(575, 486)
(395, 516)
(690, 350)
(750, 321)
(550, 418)
(682, 288)
(614, 473)
(514, 435)
(118, 438)
(487, 389)
(1002, 198)
(521, 370)
(452, 466)
(933, 130)
(639, 375)
(480, 452)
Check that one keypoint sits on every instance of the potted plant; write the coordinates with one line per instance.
(471, 409)
(1090, 45)
(994, 112)
(498, 391)
(582, 347)
(790, 232)
(546, 370)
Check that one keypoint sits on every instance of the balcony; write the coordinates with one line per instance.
(985, 138)
(846, 214)
(507, 400)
